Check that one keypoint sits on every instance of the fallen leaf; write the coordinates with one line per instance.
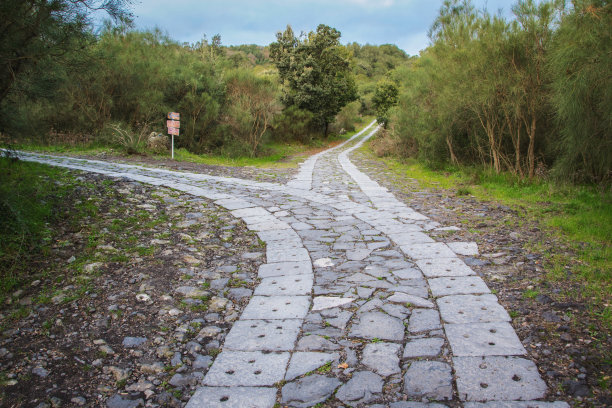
(343, 365)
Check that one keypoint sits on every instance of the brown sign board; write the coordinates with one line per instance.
(173, 124)
(174, 116)
(173, 131)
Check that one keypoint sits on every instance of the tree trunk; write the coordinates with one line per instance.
(531, 130)
(453, 158)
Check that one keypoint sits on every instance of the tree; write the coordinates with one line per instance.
(252, 105)
(385, 97)
(316, 71)
(32, 30)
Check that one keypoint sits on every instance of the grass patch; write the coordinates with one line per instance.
(580, 217)
(30, 202)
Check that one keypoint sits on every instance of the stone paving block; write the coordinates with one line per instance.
(270, 335)
(464, 248)
(285, 269)
(278, 235)
(403, 298)
(382, 358)
(409, 238)
(328, 302)
(276, 307)
(458, 285)
(472, 309)
(269, 226)
(309, 391)
(378, 325)
(424, 320)
(425, 347)
(428, 379)
(234, 397)
(497, 378)
(414, 404)
(287, 255)
(314, 343)
(517, 404)
(250, 212)
(285, 285)
(362, 388)
(444, 267)
(307, 361)
(247, 368)
(234, 204)
(408, 273)
(281, 245)
(483, 339)
(434, 250)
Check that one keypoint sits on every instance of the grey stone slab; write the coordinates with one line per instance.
(444, 267)
(409, 238)
(250, 212)
(328, 302)
(278, 235)
(425, 347)
(414, 404)
(276, 307)
(315, 342)
(394, 310)
(268, 226)
(271, 335)
(428, 379)
(428, 251)
(247, 368)
(307, 361)
(408, 273)
(234, 397)
(424, 320)
(290, 254)
(362, 388)
(378, 325)
(382, 358)
(340, 320)
(517, 404)
(285, 285)
(309, 391)
(497, 378)
(403, 298)
(483, 339)
(458, 285)
(464, 248)
(234, 204)
(472, 309)
(285, 269)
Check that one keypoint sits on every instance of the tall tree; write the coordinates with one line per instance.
(316, 71)
(384, 98)
(32, 30)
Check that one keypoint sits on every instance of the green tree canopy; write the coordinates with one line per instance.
(316, 72)
(385, 97)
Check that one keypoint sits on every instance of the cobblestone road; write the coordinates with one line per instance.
(357, 304)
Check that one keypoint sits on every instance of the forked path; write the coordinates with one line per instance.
(357, 304)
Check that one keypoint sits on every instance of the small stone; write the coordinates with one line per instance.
(217, 304)
(382, 358)
(80, 401)
(328, 302)
(153, 368)
(106, 349)
(309, 391)
(403, 298)
(428, 379)
(132, 342)
(202, 362)
(179, 380)
(362, 388)
(143, 297)
(117, 402)
(323, 263)
(120, 374)
(40, 371)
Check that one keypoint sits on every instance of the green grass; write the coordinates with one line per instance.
(272, 154)
(580, 217)
(30, 198)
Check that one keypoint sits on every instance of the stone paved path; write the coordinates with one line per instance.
(357, 305)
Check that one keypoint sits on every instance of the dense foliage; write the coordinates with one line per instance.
(316, 71)
(524, 96)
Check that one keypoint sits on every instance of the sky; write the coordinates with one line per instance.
(401, 22)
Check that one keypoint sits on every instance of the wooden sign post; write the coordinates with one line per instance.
(173, 123)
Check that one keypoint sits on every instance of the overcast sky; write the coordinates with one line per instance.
(401, 22)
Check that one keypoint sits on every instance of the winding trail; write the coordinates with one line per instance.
(356, 304)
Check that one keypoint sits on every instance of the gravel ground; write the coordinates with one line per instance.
(133, 303)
